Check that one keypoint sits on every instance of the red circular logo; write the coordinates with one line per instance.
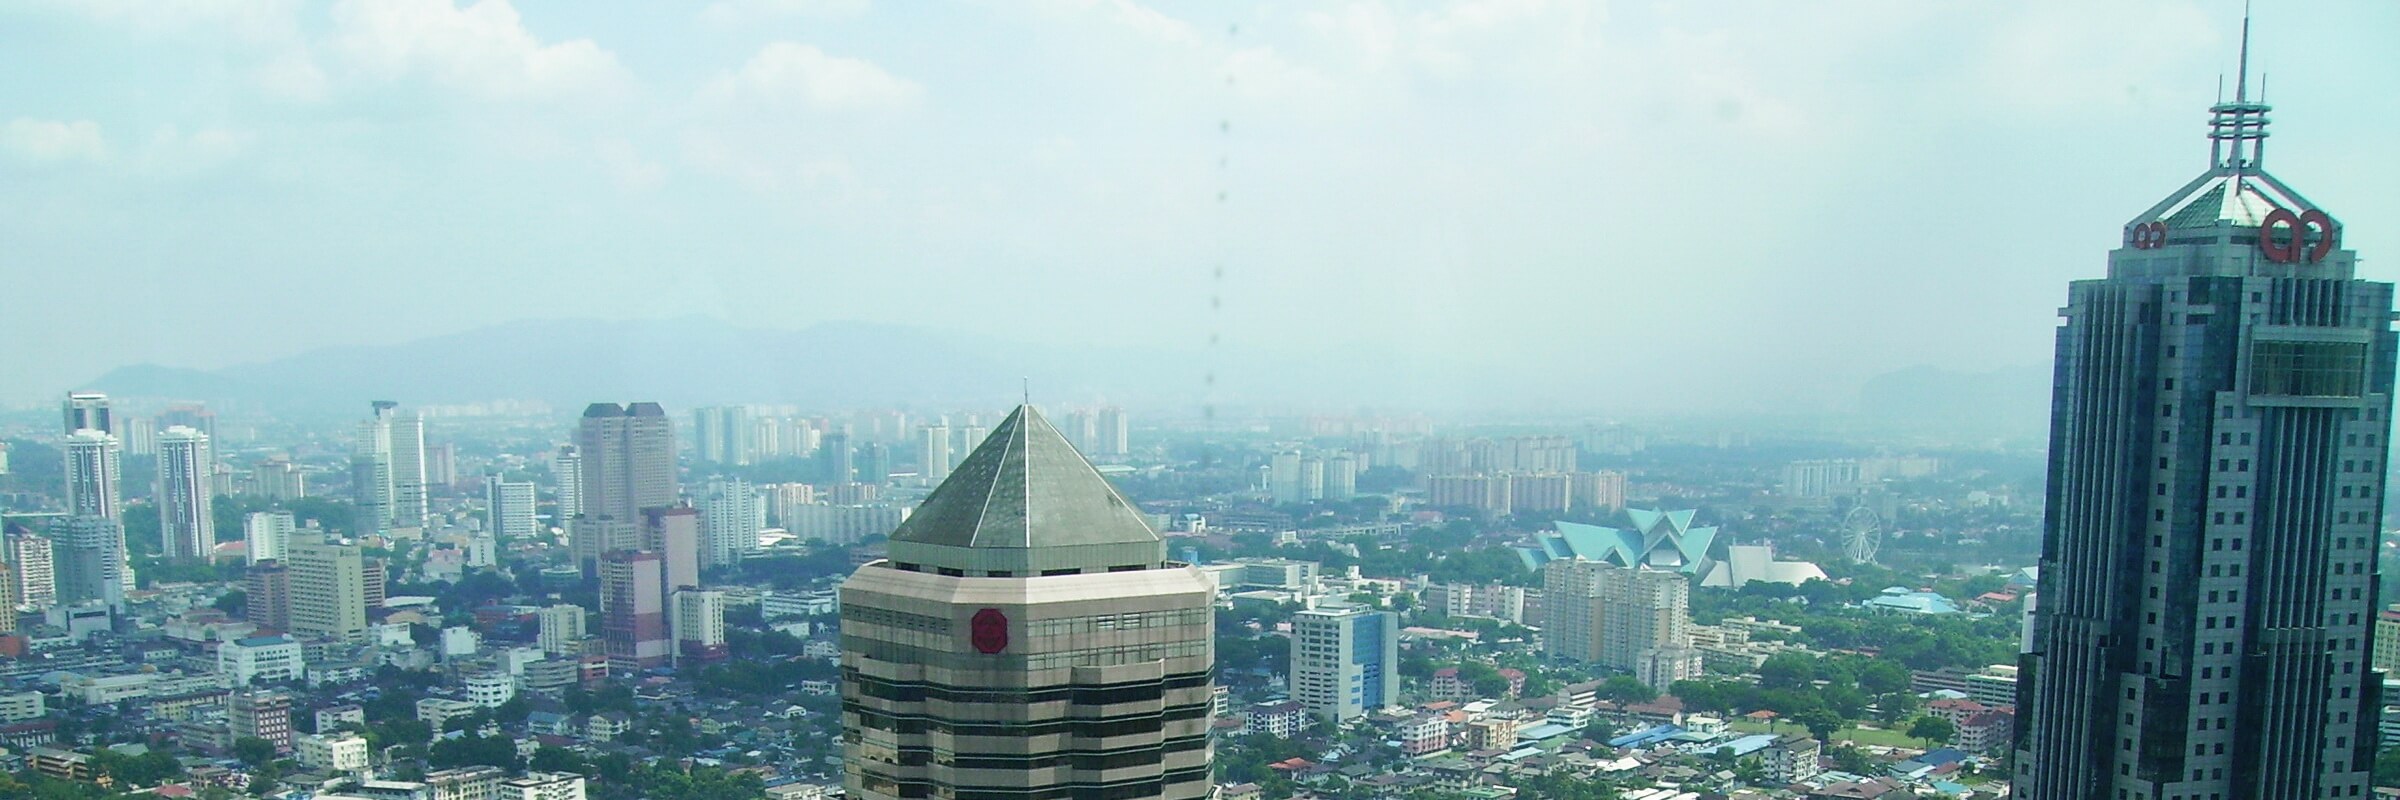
(2296, 247)
(989, 631)
(2147, 236)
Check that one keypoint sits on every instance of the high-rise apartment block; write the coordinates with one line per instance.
(329, 589)
(1112, 433)
(674, 534)
(2217, 462)
(267, 534)
(511, 505)
(1027, 616)
(86, 411)
(262, 715)
(268, 589)
(93, 474)
(88, 557)
(566, 467)
(562, 630)
(1345, 662)
(186, 518)
(1633, 619)
(724, 435)
(32, 568)
(934, 456)
(732, 516)
(699, 626)
(373, 492)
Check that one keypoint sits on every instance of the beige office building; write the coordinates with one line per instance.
(1026, 638)
(328, 590)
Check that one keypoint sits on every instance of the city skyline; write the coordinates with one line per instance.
(1732, 116)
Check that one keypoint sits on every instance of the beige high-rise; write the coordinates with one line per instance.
(328, 590)
(1634, 619)
(1026, 638)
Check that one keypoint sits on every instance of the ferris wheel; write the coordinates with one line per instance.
(1862, 534)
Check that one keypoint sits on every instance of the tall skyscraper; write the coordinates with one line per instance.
(92, 475)
(1345, 661)
(29, 555)
(408, 469)
(874, 464)
(731, 519)
(633, 614)
(1112, 432)
(86, 411)
(268, 534)
(190, 415)
(674, 534)
(628, 460)
(567, 469)
(724, 435)
(373, 495)
(699, 626)
(87, 554)
(935, 455)
(1027, 615)
(187, 526)
(836, 462)
(2217, 456)
(510, 504)
(328, 589)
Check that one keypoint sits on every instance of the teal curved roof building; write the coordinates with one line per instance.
(1661, 540)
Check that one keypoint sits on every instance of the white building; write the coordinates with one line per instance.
(699, 623)
(340, 752)
(22, 706)
(511, 507)
(731, 516)
(267, 534)
(271, 658)
(562, 630)
(542, 786)
(1345, 661)
(459, 641)
(439, 711)
(490, 688)
(185, 494)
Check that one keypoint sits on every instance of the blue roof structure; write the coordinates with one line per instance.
(1646, 736)
(1899, 599)
(1545, 730)
(1662, 540)
(1747, 744)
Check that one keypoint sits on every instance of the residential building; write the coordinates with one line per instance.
(261, 715)
(842, 524)
(1025, 575)
(88, 557)
(335, 752)
(2217, 458)
(731, 517)
(93, 475)
(1345, 662)
(2387, 640)
(562, 630)
(1793, 758)
(1281, 719)
(699, 626)
(439, 711)
(511, 505)
(633, 625)
(267, 534)
(724, 435)
(260, 658)
(465, 783)
(1637, 620)
(542, 786)
(86, 411)
(566, 467)
(490, 688)
(186, 519)
(32, 568)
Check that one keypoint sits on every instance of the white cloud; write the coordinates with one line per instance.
(786, 72)
(45, 140)
(483, 50)
(736, 13)
(292, 76)
(248, 21)
(626, 164)
(172, 152)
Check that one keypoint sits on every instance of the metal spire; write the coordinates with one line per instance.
(2241, 122)
(2241, 79)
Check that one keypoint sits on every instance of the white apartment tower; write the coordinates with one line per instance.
(187, 525)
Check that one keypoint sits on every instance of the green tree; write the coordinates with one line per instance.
(1932, 730)
(1627, 689)
(1820, 721)
(253, 751)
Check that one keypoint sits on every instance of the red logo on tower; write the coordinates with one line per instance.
(2147, 236)
(2295, 246)
(989, 631)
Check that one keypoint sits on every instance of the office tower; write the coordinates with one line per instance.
(1312, 479)
(836, 462)
(187, 525)
(190, 415)
(261, 715)
(935, 455)
(1285, 479)
(408, 469)
(699, 626)
(1633, 619)
(9, 600)
(510, 504)
(628, 460)
(372, 582)
(730, 517)
(267, 534)
(92, 475)
(633, 624)
(1345, 661)
(724, 435)
(328, 590)
(1341, 477)
(373, 491)
(2217, 456)
(566, 468)
(87, 555)
(1112, 432)
(279, 480)
(874, 464)
(267, 587)
(1026, 614)
(674, 534)
(441, 466)
(589, 538)
(562, 630)
(85, 411)
(29, 556)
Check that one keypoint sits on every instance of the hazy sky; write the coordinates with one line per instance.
(1701, 198)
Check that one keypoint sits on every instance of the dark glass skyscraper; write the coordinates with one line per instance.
(2217, 455)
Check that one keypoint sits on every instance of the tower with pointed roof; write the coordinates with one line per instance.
(2217, 455)
(1027, 637)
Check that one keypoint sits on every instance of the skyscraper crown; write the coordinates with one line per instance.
(1025, 504)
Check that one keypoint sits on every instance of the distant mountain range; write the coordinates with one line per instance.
(698, 361)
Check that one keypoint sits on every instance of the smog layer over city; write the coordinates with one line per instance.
(1130, 399)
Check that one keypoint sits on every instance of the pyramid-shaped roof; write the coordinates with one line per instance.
(1026, 501)
(2241, 198)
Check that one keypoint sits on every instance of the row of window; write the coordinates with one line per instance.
(1123, 726)
(1130, 790)
(913, 692)
(1133, 620)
